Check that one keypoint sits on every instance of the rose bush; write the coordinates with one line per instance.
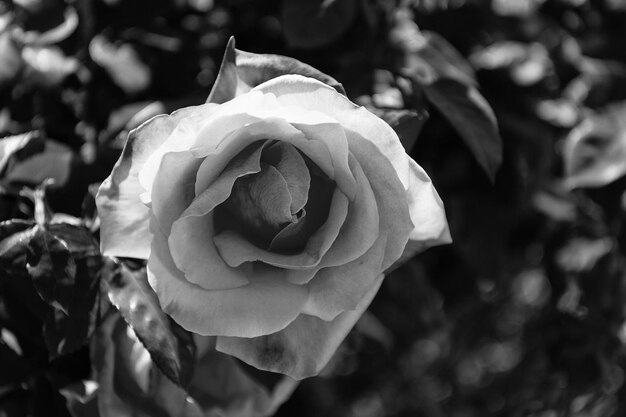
(269, 215)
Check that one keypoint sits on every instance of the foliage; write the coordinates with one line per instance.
(514, 108)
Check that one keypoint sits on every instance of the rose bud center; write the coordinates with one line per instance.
(282, 205)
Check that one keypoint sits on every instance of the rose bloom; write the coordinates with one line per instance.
(269, 220)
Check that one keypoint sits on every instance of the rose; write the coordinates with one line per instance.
(268, 220)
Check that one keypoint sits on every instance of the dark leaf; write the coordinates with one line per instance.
(78, 239)
(64, 333)
(316, 23)
(426, 56)
(52, 269)
(14, 234)
(15, 368)
(472, 117)
(170, 347)
(241, 71)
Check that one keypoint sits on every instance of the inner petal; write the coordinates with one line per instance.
(261, 203)
(293, 168)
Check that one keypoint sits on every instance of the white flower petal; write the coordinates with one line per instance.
(299, 92)
(303, 348)
(124, 218)
(391, 197)
(266, 305)
(335, 290)
(173, 188)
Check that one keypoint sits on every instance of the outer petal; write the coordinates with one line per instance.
(310, 94)
(338, 289)
(427, 213)
(303, 348)
(221, 385)
(124, 217)
(391, 197)
(266, 305)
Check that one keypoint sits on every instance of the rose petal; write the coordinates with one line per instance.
(357, 235)
(359, 232)
(335, 290)
(333, 136)
(179, 139)
(303, 348)
(221, 385)
(123, 216)
(307, 93)
(236, 250)
(427, 213)
(261, 203)
(219, 153)
(206, 124)
(391, 197)
(173, 188)
(266, 305)
(292, 167)
(191, 237)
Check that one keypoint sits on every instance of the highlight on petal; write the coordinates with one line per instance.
(309, 94)
(124, 218)
(427, 213)
(217, 156)
(303, 348)
(266, 305)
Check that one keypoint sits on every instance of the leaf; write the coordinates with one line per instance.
(40, 160)
(472, 117)
(65, 333)
(449, 84)
(595, 151)
(122, 63)
(14, 236)
(78, 239)
(52, 269)
(241, 71)
(315, 23)
(170, 347)
(10, 146)
(426, 56)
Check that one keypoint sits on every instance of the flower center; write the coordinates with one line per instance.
(279, 207)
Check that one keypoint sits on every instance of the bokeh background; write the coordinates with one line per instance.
(523, 315)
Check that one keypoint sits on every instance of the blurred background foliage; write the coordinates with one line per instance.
(523, 315)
